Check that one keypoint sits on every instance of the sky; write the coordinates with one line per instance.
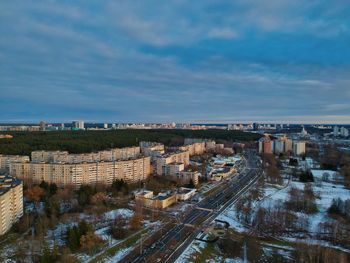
(175, 61)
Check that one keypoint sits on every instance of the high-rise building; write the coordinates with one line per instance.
(42, 125)
(298, 148)
(105, 126)
(11, 202)
(78, 125)
(335, 131)
(344, 132)
(265, 145)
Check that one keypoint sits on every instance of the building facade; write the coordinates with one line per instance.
(298, 148)
(171, 158)
(11, 202)
(6, 160)
(265, 145)
(76, 174)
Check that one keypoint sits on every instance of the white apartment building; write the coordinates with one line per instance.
(11, 202)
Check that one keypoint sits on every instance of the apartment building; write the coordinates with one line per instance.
(298, 148)
(152, 149)
(171, 158)
(76, 174)
(196, 148)
(6, 160)
(11, 202)
(66, 157)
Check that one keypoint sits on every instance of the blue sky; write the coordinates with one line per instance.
(183, 61)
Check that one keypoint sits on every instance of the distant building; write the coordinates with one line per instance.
(42, 125)
(335, 131)
(298, 148)
(11, 202)
(105, 126)
(344, 132)
(265, 145)
(78, 125)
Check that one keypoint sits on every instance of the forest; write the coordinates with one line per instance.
(23, 143)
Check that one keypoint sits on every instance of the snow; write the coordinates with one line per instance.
(121, 212)
(118, 256)
(195, 246)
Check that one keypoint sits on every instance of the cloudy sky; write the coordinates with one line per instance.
(183, 60)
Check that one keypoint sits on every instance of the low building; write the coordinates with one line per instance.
(160, 201)
(11, 202)
(183, 194)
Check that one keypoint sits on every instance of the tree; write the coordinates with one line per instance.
(35, 194)
(135, 221)
(90, 242)
(191, 184)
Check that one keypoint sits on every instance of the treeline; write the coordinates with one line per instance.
(24, 143)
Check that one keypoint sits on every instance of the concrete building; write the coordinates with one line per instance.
(335, 131)
(344, 132)
(171, 158)
(6, 160)
(76, 174)
(11, 202)
(298, 148)
(152, 149)
(78, 125)
(184, 177)
(65, 157)
(183, 194)
(196, 148)
(282, 145)
(265, 145)
(160, 201)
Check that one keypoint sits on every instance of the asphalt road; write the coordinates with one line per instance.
(228, 192)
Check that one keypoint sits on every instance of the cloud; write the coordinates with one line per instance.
(179, 60)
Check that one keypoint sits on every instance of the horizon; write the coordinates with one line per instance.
(197, 62)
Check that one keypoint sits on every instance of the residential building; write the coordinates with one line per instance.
(298, 148)
(196, 148)
(171, 158)
(6, 160)
(335, 131)
(76, 174)
(265, 145)
(344, 132)
(65, 157)
(11, 202)
(153, 149)
(78, 125)
(184, 177)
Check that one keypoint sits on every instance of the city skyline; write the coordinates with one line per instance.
(180, 61)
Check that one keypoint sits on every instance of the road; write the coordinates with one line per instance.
(227, 193)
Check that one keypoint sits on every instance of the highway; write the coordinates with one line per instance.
(225, 194)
